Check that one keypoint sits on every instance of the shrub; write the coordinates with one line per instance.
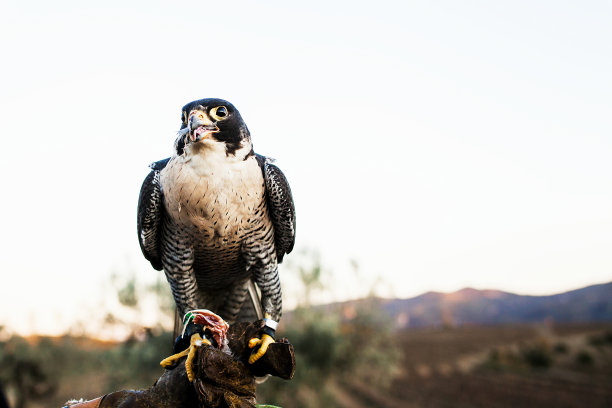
(603, 339)
(561, 348)
(584, 358)
(537, 357)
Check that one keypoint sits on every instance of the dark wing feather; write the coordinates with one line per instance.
(280, 206)
(150, 213)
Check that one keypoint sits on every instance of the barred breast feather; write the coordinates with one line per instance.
(216, 224)
(216, 208)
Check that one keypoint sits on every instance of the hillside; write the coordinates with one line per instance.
(471, 306)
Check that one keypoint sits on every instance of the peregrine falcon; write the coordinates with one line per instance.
(218, 218)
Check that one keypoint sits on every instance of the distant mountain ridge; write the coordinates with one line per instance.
(473, 306)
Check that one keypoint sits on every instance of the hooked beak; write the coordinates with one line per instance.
(200, 127)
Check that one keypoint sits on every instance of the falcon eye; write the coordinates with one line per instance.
(219, 113)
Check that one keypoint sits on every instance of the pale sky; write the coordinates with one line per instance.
(439, 144)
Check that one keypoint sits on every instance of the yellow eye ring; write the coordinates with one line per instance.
(219, 113)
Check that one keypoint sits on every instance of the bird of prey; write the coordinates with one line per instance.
(218, 218)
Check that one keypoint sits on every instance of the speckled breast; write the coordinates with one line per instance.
(214, 206)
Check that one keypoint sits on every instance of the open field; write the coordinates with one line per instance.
(462, 367)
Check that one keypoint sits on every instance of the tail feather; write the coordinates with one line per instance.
(178, 325)
(255, 299)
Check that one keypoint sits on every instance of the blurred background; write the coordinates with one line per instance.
(450, 164)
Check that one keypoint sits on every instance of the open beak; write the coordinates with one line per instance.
(201, 127)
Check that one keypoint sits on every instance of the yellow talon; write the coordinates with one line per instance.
(194, 342)
(168, 361)
(263, 343)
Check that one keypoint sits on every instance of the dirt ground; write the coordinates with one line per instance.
(454, 367)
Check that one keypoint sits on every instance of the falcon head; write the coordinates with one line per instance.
(212, 121)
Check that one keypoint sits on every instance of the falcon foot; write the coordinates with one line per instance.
(263, 344)
(266, 339)
(201, 327)
(195, 342)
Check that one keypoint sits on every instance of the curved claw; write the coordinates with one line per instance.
(263, 344)
(173, 359)
(195, 341)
